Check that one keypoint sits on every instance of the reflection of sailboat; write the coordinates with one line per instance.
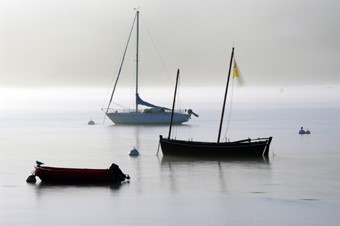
(217, 170)
(189, 160)
(153, 114)
(242, 148)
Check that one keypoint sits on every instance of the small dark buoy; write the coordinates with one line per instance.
(302, 131)
(31, 179)
(91, 122)
(134, 152)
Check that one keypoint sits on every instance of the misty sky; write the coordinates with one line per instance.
(69, 43)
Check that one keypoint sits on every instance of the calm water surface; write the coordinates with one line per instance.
(298, 185)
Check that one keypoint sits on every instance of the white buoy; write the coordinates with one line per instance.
(134, 152)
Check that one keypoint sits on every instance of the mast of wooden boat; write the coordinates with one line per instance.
(225, 96)
(137, 56)
(173, 105)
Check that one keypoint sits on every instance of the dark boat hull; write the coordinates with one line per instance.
(243, 148)
(77, 175)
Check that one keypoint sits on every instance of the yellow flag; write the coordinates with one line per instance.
(237, 73)
(235, 69)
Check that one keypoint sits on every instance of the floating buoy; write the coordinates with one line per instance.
(134, 152)
(91, 122)
(302, 131)
(31, 179)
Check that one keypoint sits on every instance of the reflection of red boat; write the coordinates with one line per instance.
(79, 175)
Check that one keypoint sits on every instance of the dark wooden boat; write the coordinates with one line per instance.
(242, 148)
(61, 175)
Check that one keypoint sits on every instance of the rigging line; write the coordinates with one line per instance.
(105, 99)
(121, 64)
(231, 105)
(108, 93)
(178, 102)
(178, 95)
(157, 51)
(121, 105)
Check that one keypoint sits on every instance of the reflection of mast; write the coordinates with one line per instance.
(137, 159)
(137, 137)
(173, 177)
(221, 178)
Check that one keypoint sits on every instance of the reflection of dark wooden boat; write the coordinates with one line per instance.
(242, 148)
(79, 175)
(190, 160)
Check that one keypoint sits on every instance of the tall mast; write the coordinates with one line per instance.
(137, 56)
(225, 96)
(173, 105)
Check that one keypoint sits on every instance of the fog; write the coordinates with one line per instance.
(15, 101)
(67, 43)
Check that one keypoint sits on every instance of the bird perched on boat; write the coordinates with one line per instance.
(39, 163)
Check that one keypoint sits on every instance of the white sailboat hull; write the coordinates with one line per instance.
(159, 118)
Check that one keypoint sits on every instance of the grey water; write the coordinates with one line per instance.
(298, 185)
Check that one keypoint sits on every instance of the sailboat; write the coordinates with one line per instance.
(241, 148)
(152, 114)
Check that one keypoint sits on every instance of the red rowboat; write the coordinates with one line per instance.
(79, 175)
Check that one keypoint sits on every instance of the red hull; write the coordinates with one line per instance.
(79, 175)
